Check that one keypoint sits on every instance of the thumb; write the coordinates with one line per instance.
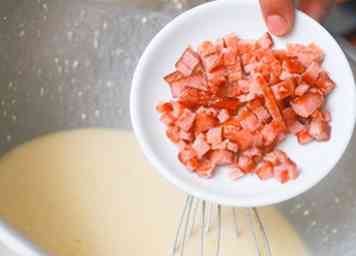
(278, 15)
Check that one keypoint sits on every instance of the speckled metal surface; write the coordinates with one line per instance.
(68, 64)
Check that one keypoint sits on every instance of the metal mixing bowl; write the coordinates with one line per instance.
(68, 64)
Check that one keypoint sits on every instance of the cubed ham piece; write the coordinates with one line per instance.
(265, 41)
(265, 170)
(231, 41)
(220, 44)
(233, 147)
(173, 134)
(246, 164)
(230, 56)
(259, 110)
(271, 131)
(187, 136)
(188, 62)
(270, 100)
(258, 140)
(254, 153)
(236, 173)
(325, 84)
(222, 157)
(249, 120)
(206, 48)
(234, 72)
(200, 145)
(204, 122)
(168, 119)
(173, 77)
(290, 118)
(164, 107)
(301, 89)
(177, 109)
(221, 145)
(186, 120)
(177, 89)
(304, 137)
(311, 75)
(223, 115)
(214, 136)
(305, 105)
(192, 164)
(243, 138)
(206, 168)
(194, 81)
(212, 61)
(319, 129)
(284, 89)
(186, 154)
(293, 66)
(281, 173)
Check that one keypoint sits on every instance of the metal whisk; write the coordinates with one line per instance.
(194, 207)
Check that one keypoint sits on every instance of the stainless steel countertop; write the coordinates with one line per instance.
(68, 64)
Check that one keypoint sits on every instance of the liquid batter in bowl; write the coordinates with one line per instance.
(91, 192)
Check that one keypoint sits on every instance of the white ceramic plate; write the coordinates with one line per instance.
(211, 21)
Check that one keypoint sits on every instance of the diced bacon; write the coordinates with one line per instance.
(206, 48)
(292, 169)
(305, 105)
(243, 138)
(265, 41)
(231, 41)
(301, 89)
(207, 110)
(167, 119)
(312, 73)
(200, 146)
(292, 65)
(214, 136)
(284, 89)
(228, 104)
(306, 54)
(173, 134)
(319, 129)
(223, 115)
(270, 101)
(204, 122)
(229, 55)
(206, 168)
(304, 137)
(222, 157)
(318, 53)
(290, 118)
(217, 74)
(249, 121)
(164, 107)
(233, 147)
(246, 97)
(265, 170)
(212, 61)
(236, 173)
(186, 154)
(246, 164)
(187, 63)
(187, 136)
(186, 120)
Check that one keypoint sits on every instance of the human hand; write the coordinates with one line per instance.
(279, 14)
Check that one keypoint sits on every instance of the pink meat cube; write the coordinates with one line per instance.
(214, 136)
(200, 146)
(186, 120)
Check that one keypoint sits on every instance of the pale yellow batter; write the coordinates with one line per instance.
(92, 193)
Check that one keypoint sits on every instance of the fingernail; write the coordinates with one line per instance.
(277, 25)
